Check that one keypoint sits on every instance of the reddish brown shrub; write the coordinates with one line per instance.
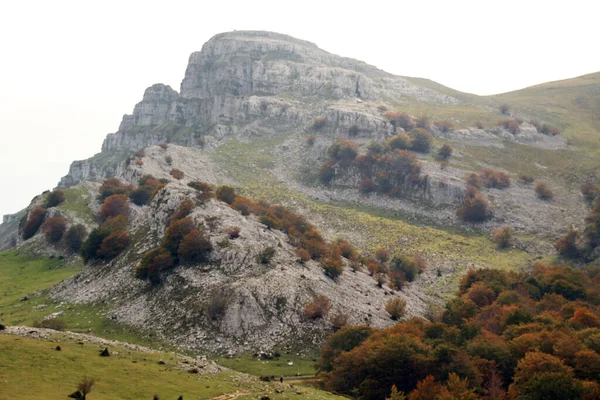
(54, 228)
(327, 172)
(317, 308)
(332, 266)
(382, 255)
(511, 125)
(311, 139)
(176, 232)
(479, 125)
(382, 108)
(423, 122)
(502, 237)
(233, 232)
(36, 217)
(153, 262)
(184, 209)
(114, 205)
(494, 179)
(526, 179)
(367, 186)
(194, 247)
(113, 186)
(567, 245)
(303, 254)
(318, 123)
(589, 191)
(113, 244)
(163, 146)
(176, 173)
(474, 207)
(504, 109)
(226, 193)
(243, 205)
(139, 162)
(543, 191)
(343, 151)
(549, 130)
(445, 125)
(396, 307)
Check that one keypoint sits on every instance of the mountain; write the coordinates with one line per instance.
(262, 111)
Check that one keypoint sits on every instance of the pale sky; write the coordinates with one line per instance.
(69, 70)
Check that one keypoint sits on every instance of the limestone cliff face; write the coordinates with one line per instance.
(242, 77)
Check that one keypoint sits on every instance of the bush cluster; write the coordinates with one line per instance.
(183, 242)
(511, 125)
(386, 168)
(317, 308)
(505, 335)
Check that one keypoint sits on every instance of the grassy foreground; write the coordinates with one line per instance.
(33, 369)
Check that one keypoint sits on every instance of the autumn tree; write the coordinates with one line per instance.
(113, 186)
(194, 247)
(34, 221)
(114, 205)
(175, 233)
(54, 228)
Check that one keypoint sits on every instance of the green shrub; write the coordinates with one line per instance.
(265, 256)
(502, 236)
(445, 152)
(74, 237)
(421, 140)
(226, 193)
(55, 197)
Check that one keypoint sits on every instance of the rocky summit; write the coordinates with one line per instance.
(261, 111)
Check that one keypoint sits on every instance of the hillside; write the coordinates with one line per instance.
(261, 112)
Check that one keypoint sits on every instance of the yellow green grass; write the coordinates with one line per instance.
(33, 369)
(250, 163)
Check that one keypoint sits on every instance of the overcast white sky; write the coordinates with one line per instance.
(69, 70)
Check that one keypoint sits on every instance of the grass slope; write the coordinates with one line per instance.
(33, 369)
